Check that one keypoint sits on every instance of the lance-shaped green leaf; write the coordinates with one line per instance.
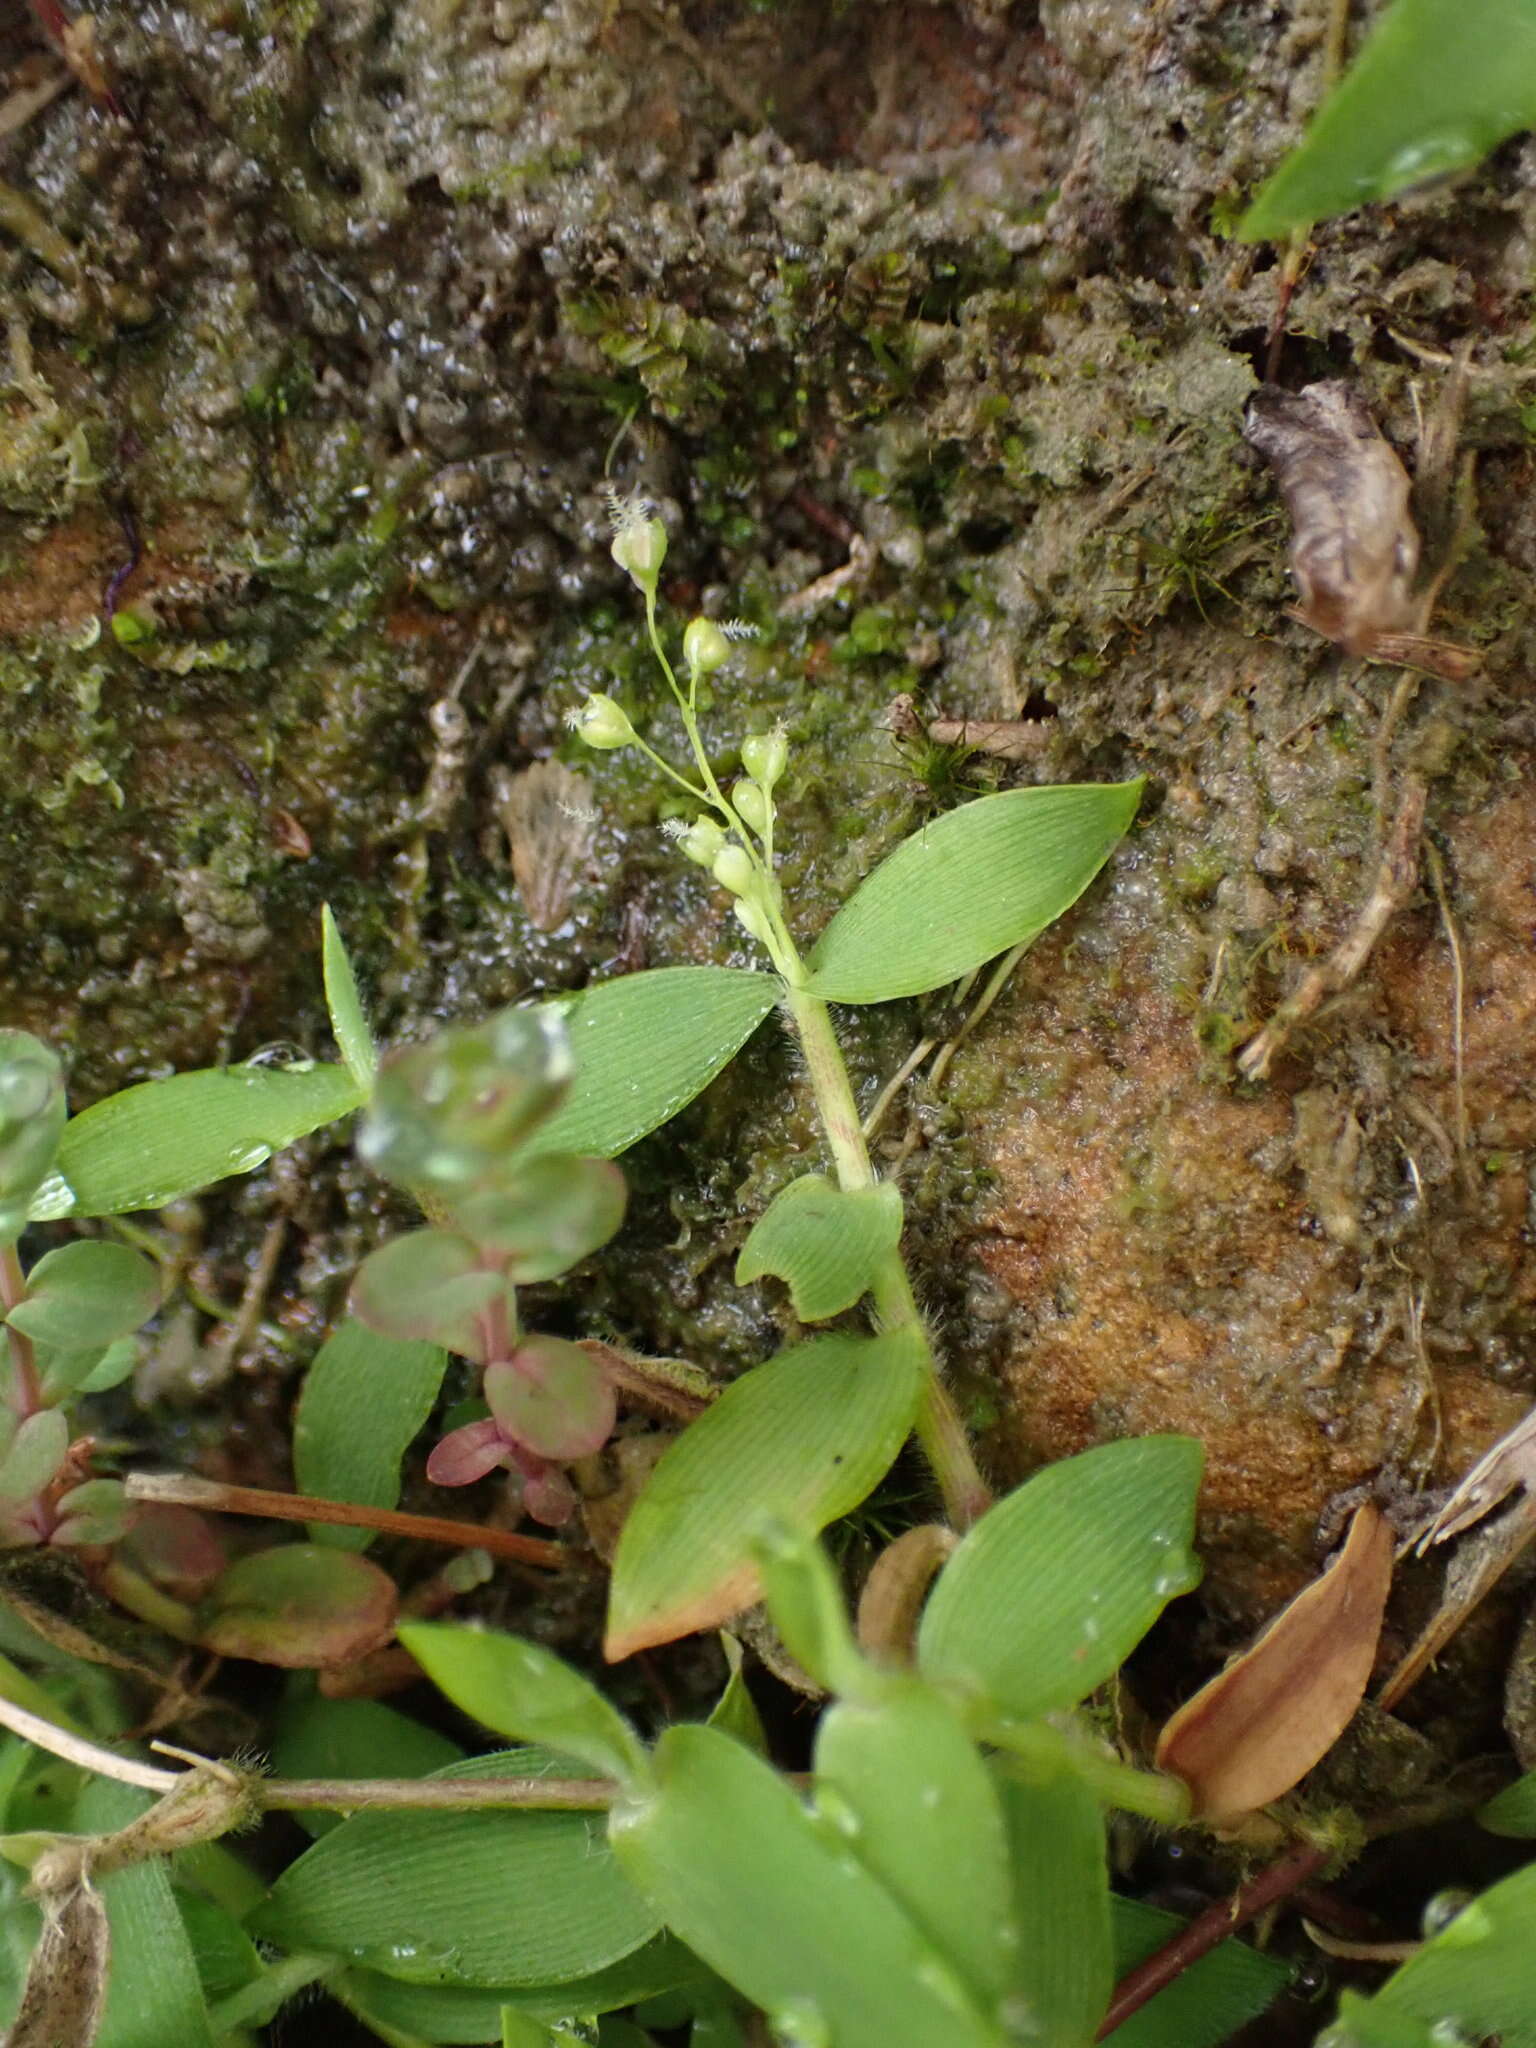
(354, 1041)
(1062, 1966)
(485, 1899)
(429, 1285)
(161, 1140)
(1055, 1585)
(517, 1688)
(364, 1399)
(298, 1606)
(810, 1610)
(901, 1780)
(82, 1296)
(1206, 2004)
(1478, 1975)
(153, 1994)
(967, 886)
(1512, 1811)
(801, 1439)
(767, 1896)
(824, 1242)
(1438, 84)
(454, 2013)
(645, 1046)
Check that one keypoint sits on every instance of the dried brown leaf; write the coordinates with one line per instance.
(546, 813)
(66, 1985)
(1261, 1724)
(897, 1586)
(1354, 546)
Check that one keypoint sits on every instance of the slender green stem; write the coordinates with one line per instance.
(939, 1428)
(257, 2002)
(1038, 1745)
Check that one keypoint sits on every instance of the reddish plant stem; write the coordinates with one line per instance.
(1208, 1930)
(181, 1490)
(26, 1394)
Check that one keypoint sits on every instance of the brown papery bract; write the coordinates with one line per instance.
(1263, 1722)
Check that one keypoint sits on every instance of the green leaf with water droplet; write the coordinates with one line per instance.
(454, 2013)
(517, 1688)
(153, 1143)
(506, 1898)
(1438, 84)
(354, 1041)
(901, 1780)
(364, 1399)
(824, 1242)
(645, 1046)
(802, 1438)
(1053, 1588)
(768, 1896)
(1475, 1978)
(967, 886)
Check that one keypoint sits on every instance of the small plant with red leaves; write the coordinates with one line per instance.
(458, 1122)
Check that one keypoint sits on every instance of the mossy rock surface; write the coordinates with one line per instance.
(355, 309)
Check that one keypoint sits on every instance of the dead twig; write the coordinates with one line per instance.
(178, 1489)
(1396, 879)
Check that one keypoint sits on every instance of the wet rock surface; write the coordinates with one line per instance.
(317, 369)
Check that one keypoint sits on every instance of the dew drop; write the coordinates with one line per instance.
(835, 1810)
(930, 1798)
(1430, 156)
(1449, 2033)
(801, 2023)
(1442, 1909)
(1468, 1927)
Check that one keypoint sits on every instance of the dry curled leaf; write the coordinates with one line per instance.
(897, 1586)
(1263, 1722)
(1354, 546)
(546, 813)
(66, 1985)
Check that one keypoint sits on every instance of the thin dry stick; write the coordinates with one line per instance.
(176, 1489)
(1396, 880)
(1436, 868)
(290, 1795)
